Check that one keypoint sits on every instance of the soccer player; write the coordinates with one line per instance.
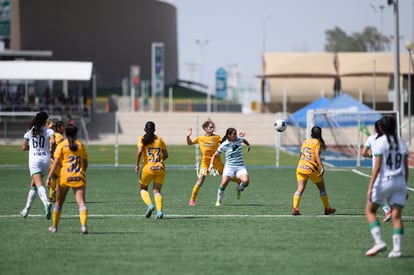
(71, 159)
(231, 145)
(208, 142)
(367, 153)
(153, 151)
(38, 140)
(388, 184)
(59, 128)
(310, 166)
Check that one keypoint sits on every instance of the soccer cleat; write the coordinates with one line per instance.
(394, 254)
(376, 249)
(24, 212)
(149, 211)
(48, 211)
(218, 203)
(295, 212)
(52, 229)
(160, 215)
(387, 217)
(192, 203)
(84, 230)
(329, 211)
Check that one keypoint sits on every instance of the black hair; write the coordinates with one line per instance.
(388, 127)
(71, 132)
(149, 133)
(378, 128)
(59, 124)
(228, 132)
(316, 132)
(38, 121)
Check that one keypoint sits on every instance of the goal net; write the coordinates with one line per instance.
(345, 132)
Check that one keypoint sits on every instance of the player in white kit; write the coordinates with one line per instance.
(388, 184)
(38, 140)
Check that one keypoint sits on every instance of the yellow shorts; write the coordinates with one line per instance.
(313, 176)
(72, 184)
(157, 177)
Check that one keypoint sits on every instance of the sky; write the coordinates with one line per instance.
(234, 33)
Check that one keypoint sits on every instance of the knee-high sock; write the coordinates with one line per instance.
(375, 231)
(296, 199)
(324, 199)
(194, 194)
(56, 215)
(397, 237)
(145, 196)
(386, 208)
(83, 215)
(220, 193)
(52, 189)
(31, 196)
(41, 191)
(158, 201)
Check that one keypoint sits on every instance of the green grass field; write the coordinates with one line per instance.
(253, 235)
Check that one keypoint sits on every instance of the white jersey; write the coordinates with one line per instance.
(392, 159)
(390, 186)
(39, 150)
(233, 151)
(370, 143)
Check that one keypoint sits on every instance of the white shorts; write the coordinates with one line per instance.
(230, 171)
(39, 167)
(392, 191)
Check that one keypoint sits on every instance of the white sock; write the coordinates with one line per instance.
(41, 191)
(30, 198)
(397, 240)
(220, 194)
(376, 234)
(386, 208)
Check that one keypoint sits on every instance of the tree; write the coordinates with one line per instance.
(370, 40)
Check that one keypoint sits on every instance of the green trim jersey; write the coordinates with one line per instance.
(233, 151)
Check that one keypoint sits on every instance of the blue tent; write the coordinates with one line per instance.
(298, 118)
(348, 112)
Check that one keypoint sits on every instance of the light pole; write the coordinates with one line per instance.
(263, 80)
(409, 46)
(397, 103)
(202, 44)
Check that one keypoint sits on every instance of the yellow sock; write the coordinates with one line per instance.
(158, 201)
(52, 189)
(146, 197)
(196, 189)
(296, 200)
(83, 215)
(56, 216)
(325, 201)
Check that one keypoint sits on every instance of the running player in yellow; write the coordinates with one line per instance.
(310, 166)
(59, 127)
(209, 142)
(153, 152)
(72, 158)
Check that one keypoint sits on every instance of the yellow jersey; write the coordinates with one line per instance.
(72, 169)
(308, 151)
(153, 159)
(208, 146)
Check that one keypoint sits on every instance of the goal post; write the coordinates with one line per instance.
(345, 131)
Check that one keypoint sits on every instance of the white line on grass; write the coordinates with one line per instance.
(207, 216)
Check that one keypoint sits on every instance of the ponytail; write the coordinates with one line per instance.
(316, 132)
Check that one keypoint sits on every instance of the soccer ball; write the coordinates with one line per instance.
(280, 125)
